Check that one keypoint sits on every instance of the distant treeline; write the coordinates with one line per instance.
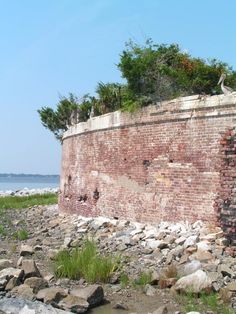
(14, 175)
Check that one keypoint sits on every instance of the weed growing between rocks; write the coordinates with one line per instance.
(21, 235)
(203, 302)
(143, 279)
(85, 263)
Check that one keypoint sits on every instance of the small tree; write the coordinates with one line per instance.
(58, 121)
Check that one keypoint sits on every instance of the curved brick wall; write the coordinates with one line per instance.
(161, 163)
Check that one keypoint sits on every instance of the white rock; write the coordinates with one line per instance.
(190, 241)
(195, 282)
(191, 267)
(203, 246)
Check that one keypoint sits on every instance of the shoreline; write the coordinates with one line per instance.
(27, 192)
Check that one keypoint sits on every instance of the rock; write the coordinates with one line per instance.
(190, 241)
(155, 276)
(190, 268)
(13, 282)
(52, 253)
(67, 242)
(161, 310)
(154, 244)
(120, 306)
(36, 283)
(93, 294)
(19, 262)
(180, 241)
(74, 304)
(5, 263)
(202, 256)
(225, 270)
(195, 282)
(7, 273)
(167, 282)
(149, 290)
(20, 306)
(232, 286)
(50, 295)
(24, 292)
(26, 250)
(203, 246)
(30, 269)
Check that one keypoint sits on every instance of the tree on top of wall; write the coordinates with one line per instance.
(153, 73)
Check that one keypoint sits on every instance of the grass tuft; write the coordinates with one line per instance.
(203, 302)
(143, 279)
(21, 235)
(85, 263)
(17, 202)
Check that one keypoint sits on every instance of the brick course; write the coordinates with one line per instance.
(161, 163)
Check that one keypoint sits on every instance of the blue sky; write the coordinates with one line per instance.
(53, 47)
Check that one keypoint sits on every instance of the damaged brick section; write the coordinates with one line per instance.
(226, 203)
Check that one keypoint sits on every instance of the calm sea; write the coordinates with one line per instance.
(18, 182)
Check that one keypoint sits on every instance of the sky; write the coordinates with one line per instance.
(50, 48)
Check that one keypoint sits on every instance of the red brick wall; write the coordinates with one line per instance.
(226, 201)
(161, 163)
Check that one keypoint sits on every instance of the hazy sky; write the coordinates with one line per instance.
(53, 47)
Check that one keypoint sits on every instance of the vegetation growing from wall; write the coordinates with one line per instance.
(153, 73)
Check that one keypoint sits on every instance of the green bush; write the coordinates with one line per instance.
(85, 263)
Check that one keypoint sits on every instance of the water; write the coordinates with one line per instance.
(18, 182)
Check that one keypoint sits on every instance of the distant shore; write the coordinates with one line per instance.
(26, 192)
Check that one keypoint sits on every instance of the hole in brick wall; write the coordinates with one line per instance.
(69, 178)
(171, 160)
(83, 198)
(96, 194)
(125, 159)
(146, 163)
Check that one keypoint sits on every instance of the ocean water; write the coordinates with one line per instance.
(18, 182)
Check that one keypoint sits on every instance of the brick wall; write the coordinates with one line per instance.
(226, 201)
(160, 163)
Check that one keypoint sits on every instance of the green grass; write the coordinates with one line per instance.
(203, 302)
(21, 235)
(2, 230)
(124, 280)
(143, 279)
(85, 263)
(17, 202)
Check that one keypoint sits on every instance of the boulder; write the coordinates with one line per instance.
(232, 286)
(26, 250)
(225, 270)
(149, 290)
(30, 269)
(24, 292)
(195, 282)
(8, 273)
(5, 263)
(74, 304)
(190, 268)
(20, 306)
(51, 295)
(93, 294)
(36, 283)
